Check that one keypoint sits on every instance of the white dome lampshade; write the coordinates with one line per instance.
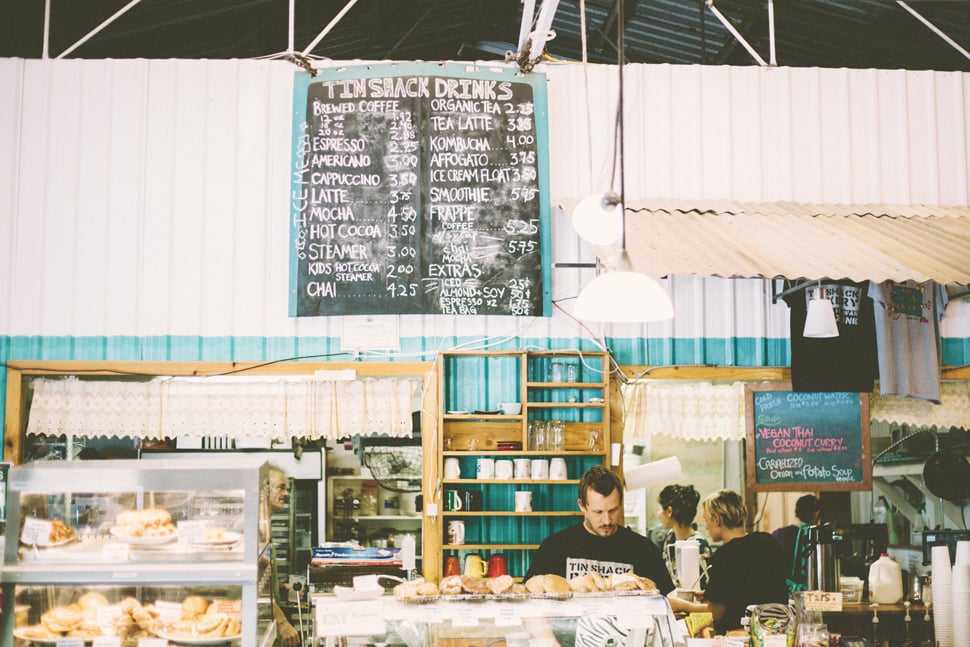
(820, 319)
(598, 219)
(623, 297)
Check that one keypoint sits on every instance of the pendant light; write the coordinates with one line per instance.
(619, 294)
(820, 319)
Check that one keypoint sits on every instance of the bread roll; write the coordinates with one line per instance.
(473, 585)
(426, 589)
(194, 607)
(451, 585)
(536, 584)
(61, 619)
(556, 584)
(212, 625)
(500, 584)
(580, 584)
(92, 600)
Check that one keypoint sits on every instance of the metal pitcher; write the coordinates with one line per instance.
(823, 565)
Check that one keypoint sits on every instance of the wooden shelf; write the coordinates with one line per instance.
(515, 376)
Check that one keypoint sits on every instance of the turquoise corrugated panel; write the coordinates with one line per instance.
(956, 352)
(748, 352)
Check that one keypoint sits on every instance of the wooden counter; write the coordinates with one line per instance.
(856, 620)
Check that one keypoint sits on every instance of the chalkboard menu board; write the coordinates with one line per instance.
(419, 189)
(806, 441)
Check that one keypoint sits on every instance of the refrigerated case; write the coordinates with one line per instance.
(123, 548)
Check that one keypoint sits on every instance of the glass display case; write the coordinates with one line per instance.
(137, 550)
(633, 621)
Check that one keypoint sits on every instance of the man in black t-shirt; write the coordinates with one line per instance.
(599, 544)
(747, 569)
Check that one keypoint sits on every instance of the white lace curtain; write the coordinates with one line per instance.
(271, 408)
(685, 410)
(705, 411)
(952, 411)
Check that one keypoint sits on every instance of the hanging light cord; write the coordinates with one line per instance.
(618, 156)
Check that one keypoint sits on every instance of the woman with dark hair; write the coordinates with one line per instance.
(677, 507)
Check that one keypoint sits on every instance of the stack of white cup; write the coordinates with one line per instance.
(942, 595)
(961, 594)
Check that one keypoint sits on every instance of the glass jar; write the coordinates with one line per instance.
(368, 499)
(557, 372)
(772, 624)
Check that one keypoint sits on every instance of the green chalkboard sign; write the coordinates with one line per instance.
(806, 441)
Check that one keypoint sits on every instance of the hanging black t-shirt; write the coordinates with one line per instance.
(845, 363)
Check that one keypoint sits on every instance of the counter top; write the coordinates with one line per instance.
(864, 608)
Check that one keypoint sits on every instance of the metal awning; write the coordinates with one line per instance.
(799, 241)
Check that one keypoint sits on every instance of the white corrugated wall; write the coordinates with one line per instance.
(150, 198)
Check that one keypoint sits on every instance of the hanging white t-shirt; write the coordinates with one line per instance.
(907, 317)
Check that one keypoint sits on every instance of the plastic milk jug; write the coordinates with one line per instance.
(885, 581)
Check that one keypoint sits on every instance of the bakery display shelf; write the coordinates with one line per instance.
(454, 547)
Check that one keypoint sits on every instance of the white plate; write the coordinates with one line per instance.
(348, 593)
(142, 541)
(183, 639)
(54, 544)
(20, 632)
(227, 538)
(457, 412)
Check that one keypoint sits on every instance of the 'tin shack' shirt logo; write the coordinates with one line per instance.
(579, 566)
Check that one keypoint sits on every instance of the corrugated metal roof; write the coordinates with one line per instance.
(796, 240)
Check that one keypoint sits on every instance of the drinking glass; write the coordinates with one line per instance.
(557, 441)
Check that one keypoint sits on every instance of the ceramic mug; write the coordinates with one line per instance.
(521, 468)
(452, 468)
(504, 469)
(452, 567)
(454, 501)
(557, 469)
(497, 565)
(456, 532)
(539, 469)
(475, 566)
(523, 501)
(485, 468)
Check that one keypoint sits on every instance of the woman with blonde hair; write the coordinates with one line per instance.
(747, 569)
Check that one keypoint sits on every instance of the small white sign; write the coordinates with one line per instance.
(349, 620)
(507, 616)
(36, 532)
(823, 601)
(190, 532)
(115, 552)
(106, 641)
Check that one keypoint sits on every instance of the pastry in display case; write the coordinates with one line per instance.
(134, 550)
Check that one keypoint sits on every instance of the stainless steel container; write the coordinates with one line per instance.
(823, 565)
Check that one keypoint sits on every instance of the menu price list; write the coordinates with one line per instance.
(417, 195)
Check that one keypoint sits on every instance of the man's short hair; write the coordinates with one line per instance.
(806, 508)
(600, 480)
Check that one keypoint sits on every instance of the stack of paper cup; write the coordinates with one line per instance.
(961, 604)
(942, 595)
(960, 579)
(963, 553)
